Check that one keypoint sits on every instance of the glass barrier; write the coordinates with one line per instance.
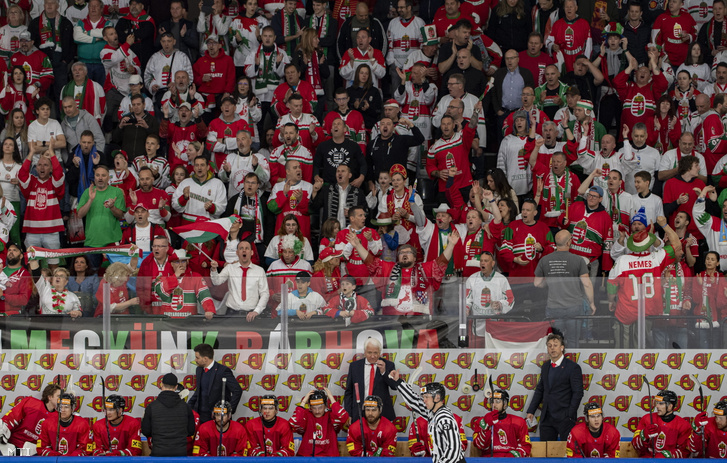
(660, 313)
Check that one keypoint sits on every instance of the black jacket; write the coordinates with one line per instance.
(67, 43)
(329, 155)
(382, 383)
(143, 35)
(499, 77)
(638, 39)
(561, 399)
(132, 138)
(233, 391)
(168, 421)
(382, 154)
(188, 44)
(510, 32)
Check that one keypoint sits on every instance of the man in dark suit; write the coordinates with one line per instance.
(209, 384)
(560, 390)
(360, 373)
(508, 86)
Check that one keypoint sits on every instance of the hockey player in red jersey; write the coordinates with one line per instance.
(663, 434)
(593, 438)
(235, 442)
(124, 432)
(709, 439)
(420, 442)
(379, 433)
(512, 439)
(74, 438)
(23, 422)
(318, 425)
(270, 435)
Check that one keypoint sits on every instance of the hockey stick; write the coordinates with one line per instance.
(58, 431)
(701, 409)
(224, 412)
(651, 414)
(360, 421)
(103, 394)
(413, 378)
(580, 450)
(492, 408)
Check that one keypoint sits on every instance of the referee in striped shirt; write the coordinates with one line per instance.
(441, 425)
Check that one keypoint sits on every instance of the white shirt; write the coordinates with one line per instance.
(42, 133)
(256, 287)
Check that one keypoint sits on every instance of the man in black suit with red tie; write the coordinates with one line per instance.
(209, 384)
(560, 390)
(360, 372)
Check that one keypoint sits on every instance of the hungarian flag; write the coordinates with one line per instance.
(201, 232)
(519, 336)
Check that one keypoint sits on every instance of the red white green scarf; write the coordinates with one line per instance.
(710, 34)
(291, 26)
(266, 80)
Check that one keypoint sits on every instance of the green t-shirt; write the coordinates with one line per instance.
(102, 228)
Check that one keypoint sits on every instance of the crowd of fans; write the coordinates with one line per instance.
(327, 131)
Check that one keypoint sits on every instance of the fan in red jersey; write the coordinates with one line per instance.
(234, 443)
(593, 438)
(124, 432)
(73, 438)
(269, 434)
(510, 431)
(379, 434)
(662, 434)
(23, 422)
(709, 439)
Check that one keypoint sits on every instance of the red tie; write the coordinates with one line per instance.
(206, 369)
(371, 380)
(243, 289)
(552, 364)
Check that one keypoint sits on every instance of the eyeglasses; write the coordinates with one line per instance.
(593, 196)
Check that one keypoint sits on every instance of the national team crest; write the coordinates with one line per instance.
(638, 105)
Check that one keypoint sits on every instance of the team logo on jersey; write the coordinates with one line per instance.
(138, 382)
(464, 360)
(530, 381)
(307, 361)
(86, 382)
(281, 361)
(230, 360)
(320, 381)
(685, 382)
(701, 360)
(579, 232)
(125, 361)
(412, 360)
(661, 382)
(714, 382)
(99, 361)
(20, 361)
(530, 243)
(608, 382)
(638, 105)
(622, 360)
(333, 361)
(674, 361)
(648, 361)
(596, 360)
(622, 403)
(438, 360)
(451, 381)
(517, 360)
(151, 361)
(244, 381)
(47, 361)
(635, 382)
(294, 382)
(540, 359)
(255, 361)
